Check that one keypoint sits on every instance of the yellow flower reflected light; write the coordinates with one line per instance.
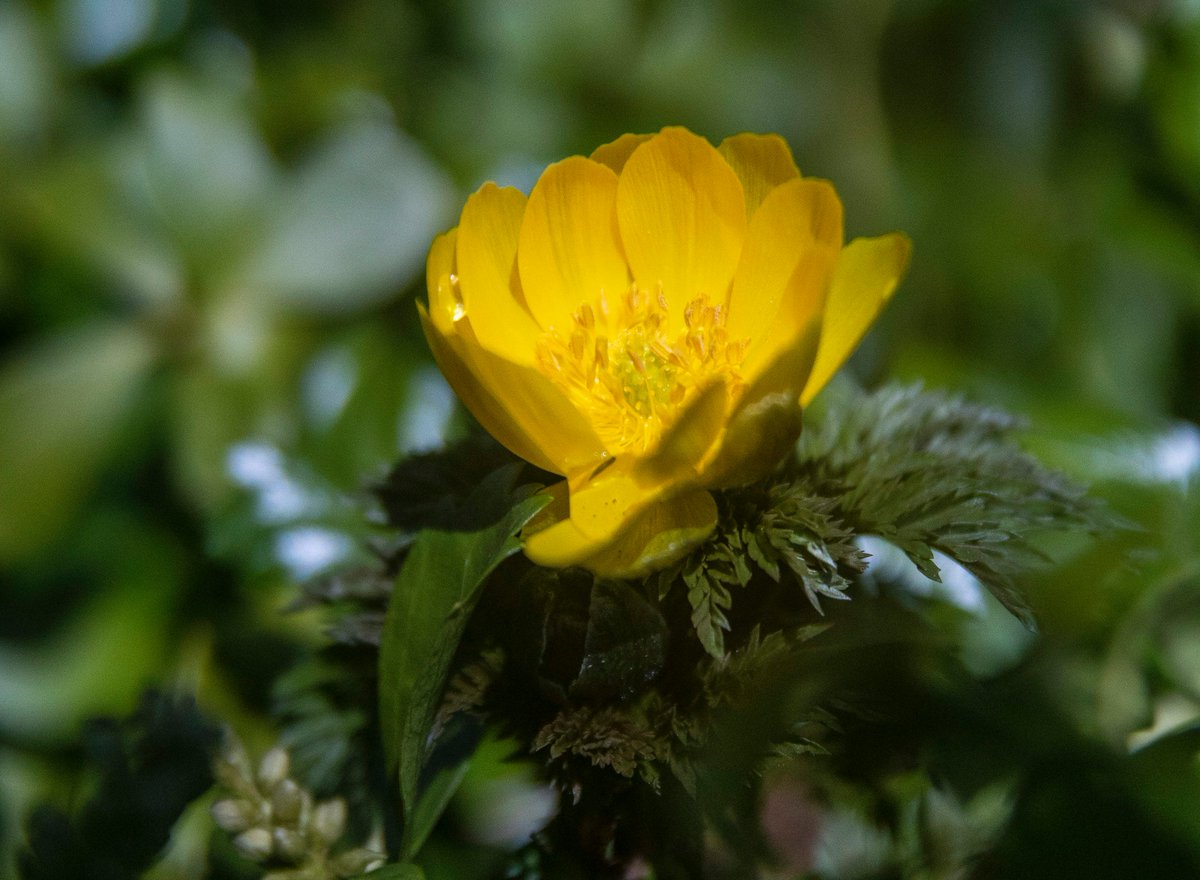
(648, 324)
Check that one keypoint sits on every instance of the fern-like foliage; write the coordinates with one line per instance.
(922, 470)
(629, 690)
(928, 471)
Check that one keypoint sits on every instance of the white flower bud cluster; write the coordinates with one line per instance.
(277, 822)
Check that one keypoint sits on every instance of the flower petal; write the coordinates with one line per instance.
(682, 219)
(616, 153)
(864, 279)
(797, 215)
(486, 256)
(570, 250)
(448, 352)
(541, 410)
(762, 162)
(452, 340)
(604, 501)
(444, 299)
(661, 534)
(551, 539)
(802, 304)
(656, 536)
(767, 419)
(680, 451)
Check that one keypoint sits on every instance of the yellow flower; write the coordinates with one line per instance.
(648, 324)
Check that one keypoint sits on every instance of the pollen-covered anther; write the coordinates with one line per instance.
(634, 382)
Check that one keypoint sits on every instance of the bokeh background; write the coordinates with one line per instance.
(213, 221)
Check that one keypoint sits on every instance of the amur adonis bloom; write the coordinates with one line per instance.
(648, 324)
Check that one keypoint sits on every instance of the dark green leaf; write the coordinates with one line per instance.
(432, 601)
(404, 871)
(710, 599)
(430, 805)
(625, 646)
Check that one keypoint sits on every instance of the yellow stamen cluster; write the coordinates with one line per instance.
(623, 367)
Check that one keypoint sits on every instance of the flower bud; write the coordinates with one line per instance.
(255, 844)
(329, 820)
(289, 844)
(287, 802)
(232, 769)
(273, 768)
(234, 815)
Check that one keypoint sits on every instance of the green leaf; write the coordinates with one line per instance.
(709, 599)
(431, 804)
(61, 405)
(926, 471)
(625, 645)
(434, 595)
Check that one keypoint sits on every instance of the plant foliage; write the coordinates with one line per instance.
(624, 692)
(149, 767)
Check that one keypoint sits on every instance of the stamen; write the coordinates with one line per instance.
(634, 383)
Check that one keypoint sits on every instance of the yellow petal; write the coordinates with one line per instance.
(535, 404)
(864, 279)
(801, 306)
(486, 257)
(661, 534)
(762, 162)
(604, 500)
(602, 504)
(617, 153)
(680, 451)
(444, 301)
(682, 219)
(795, 217)
(657, 536)
(766, 421)
(448, 352)
(570, 251)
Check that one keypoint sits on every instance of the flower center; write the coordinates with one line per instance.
(634, 383)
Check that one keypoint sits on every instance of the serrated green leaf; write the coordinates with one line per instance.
(759, 551)
(709, 600)
(434, 595)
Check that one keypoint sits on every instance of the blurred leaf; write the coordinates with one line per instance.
(355, 224)
(432, 601)
(25, 86)
(406, 871)
(104, 655)
(61, 404)
(81, 207)
(152, 765)
(210, 414)
(1166, 777)
(198, 163)
(1175, 96)
(430, 805)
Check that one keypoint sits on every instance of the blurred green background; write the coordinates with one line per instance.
(213, 222)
